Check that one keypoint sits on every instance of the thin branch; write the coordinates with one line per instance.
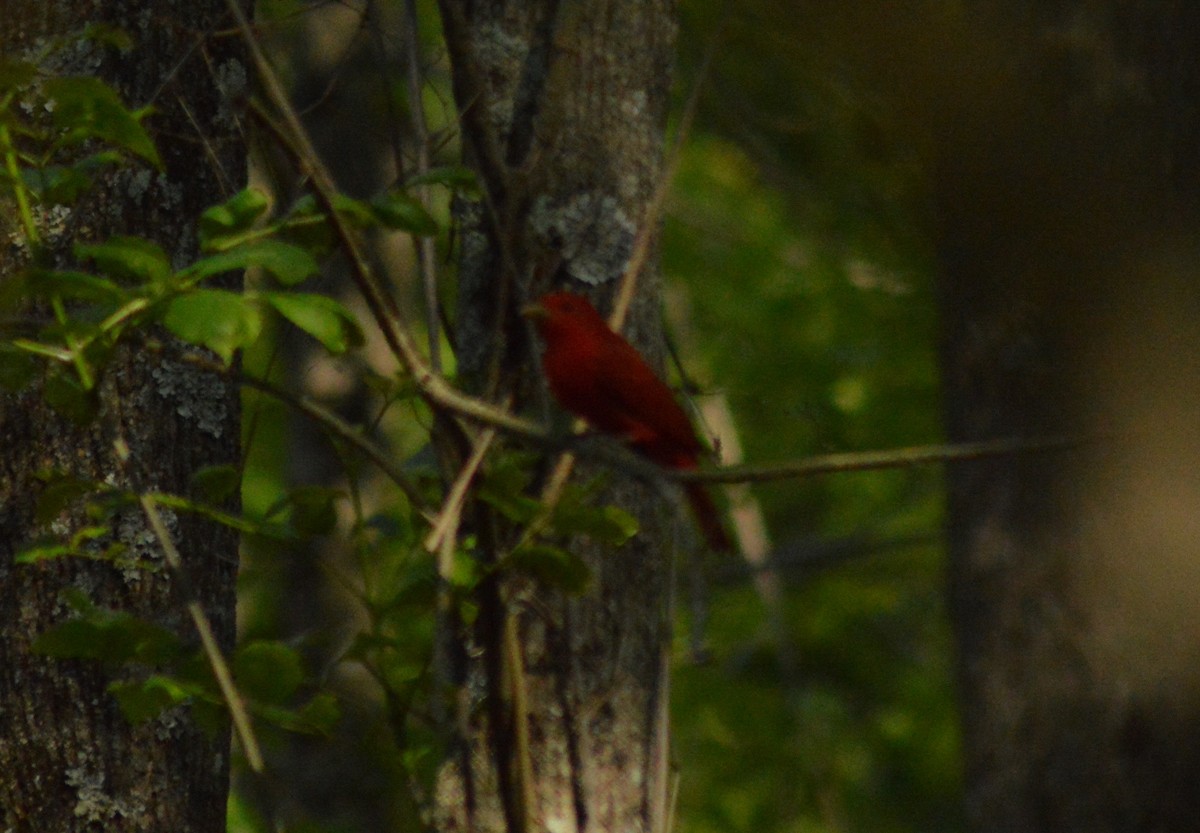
(444, 527)
(212, 651)
(891, 459)
(514, 671)
(426, 262)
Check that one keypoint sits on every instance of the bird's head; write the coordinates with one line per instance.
(557, 311)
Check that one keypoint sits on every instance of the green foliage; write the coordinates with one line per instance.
(321, 317)
(86, 109)
(400, 211)
(553, 566)
(225, 225)
(270, 675)
(216, 484)
(457, 178)
(218, 319)
(110, 636)
(269, 672)
(49, 127)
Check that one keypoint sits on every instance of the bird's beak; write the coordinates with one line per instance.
(535, 312)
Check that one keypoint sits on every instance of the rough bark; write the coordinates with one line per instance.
(563, 110)
(69, 761)
(1067, 198)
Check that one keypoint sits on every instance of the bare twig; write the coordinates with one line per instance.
(426, 262)
(892, 459)
(445, 524)
(212, 651)
(514, 672)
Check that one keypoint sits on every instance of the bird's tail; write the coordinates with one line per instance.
(707, 517)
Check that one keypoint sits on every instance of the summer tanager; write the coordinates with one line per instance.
(595, 373)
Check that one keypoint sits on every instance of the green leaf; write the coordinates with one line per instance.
(552, 565)
(60, 492)
(505, 487)
(221, 321)
(321, 317)
(316, 717)
(273, 532)
(133, 258)
(605, 524)
(234, 217)
(514, 506)
(109, 636)
(418, 590)
(147, 699)
(66, 395)
(70, 284)
(87, 108)
(17, 368)
(269, 672)
(455, 177)
(61, 184)
(313, 510)
(355, 212)
(320, 713)
(399, 210)
(287, 263)
(217, 484)
(46, 549)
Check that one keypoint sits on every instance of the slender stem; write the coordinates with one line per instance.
(20, 193)
(891, 459)
(426, 262)
(208, 641)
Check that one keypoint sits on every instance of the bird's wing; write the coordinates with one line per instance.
(641, 407)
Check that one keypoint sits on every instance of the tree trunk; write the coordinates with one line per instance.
(69, 759)
(563, 109)
(1067, 195)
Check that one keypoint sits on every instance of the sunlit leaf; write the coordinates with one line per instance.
(287, 263)
(87, 108)
(399, 210)
(144, 700)
(232, 218)
(132, 258)
(219, 320)
(323, 318)
(71, 284)
(455, 177)
(42, 550)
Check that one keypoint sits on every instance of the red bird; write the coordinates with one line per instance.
(595, 373)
